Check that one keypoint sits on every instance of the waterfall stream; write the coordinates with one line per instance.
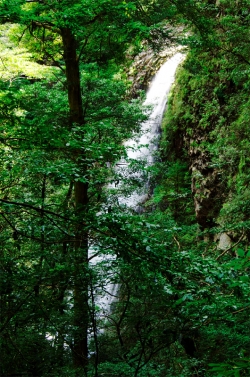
(145, 147)
(139, 149)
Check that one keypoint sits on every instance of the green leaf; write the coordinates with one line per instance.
(240, 252)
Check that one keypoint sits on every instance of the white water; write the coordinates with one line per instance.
(137, 149)
(157, 97)
(144, 148)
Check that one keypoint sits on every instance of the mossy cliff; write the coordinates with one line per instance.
(206, 126)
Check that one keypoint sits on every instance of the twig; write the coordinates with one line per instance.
(240, 310)
(37, 209)
(231, 247)
(178, 243)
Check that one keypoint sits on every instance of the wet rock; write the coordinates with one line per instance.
(145, 65)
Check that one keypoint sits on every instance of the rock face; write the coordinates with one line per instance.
(207, 188)
(146, 64)
(189, 134)
(204, 199)
(206, 185)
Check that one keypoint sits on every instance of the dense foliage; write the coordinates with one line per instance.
(182, 295)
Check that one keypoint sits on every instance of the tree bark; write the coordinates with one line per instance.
(81, 284)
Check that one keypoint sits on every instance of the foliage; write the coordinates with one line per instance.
(234, 369)
(182, 304)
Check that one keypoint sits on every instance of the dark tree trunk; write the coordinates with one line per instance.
(80, 350)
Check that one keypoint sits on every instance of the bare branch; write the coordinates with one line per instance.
(37, 209)
(231, 247)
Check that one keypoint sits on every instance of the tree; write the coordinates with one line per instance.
(53, 148)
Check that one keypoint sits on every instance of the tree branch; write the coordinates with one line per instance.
(231, 247)
(37, 209)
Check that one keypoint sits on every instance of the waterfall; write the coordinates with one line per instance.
(145, 147)
(157, 97)
(139, 149)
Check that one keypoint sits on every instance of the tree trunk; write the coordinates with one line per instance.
(80, 351)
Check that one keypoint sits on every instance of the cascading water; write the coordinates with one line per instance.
(157, 97)
(142, 149)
